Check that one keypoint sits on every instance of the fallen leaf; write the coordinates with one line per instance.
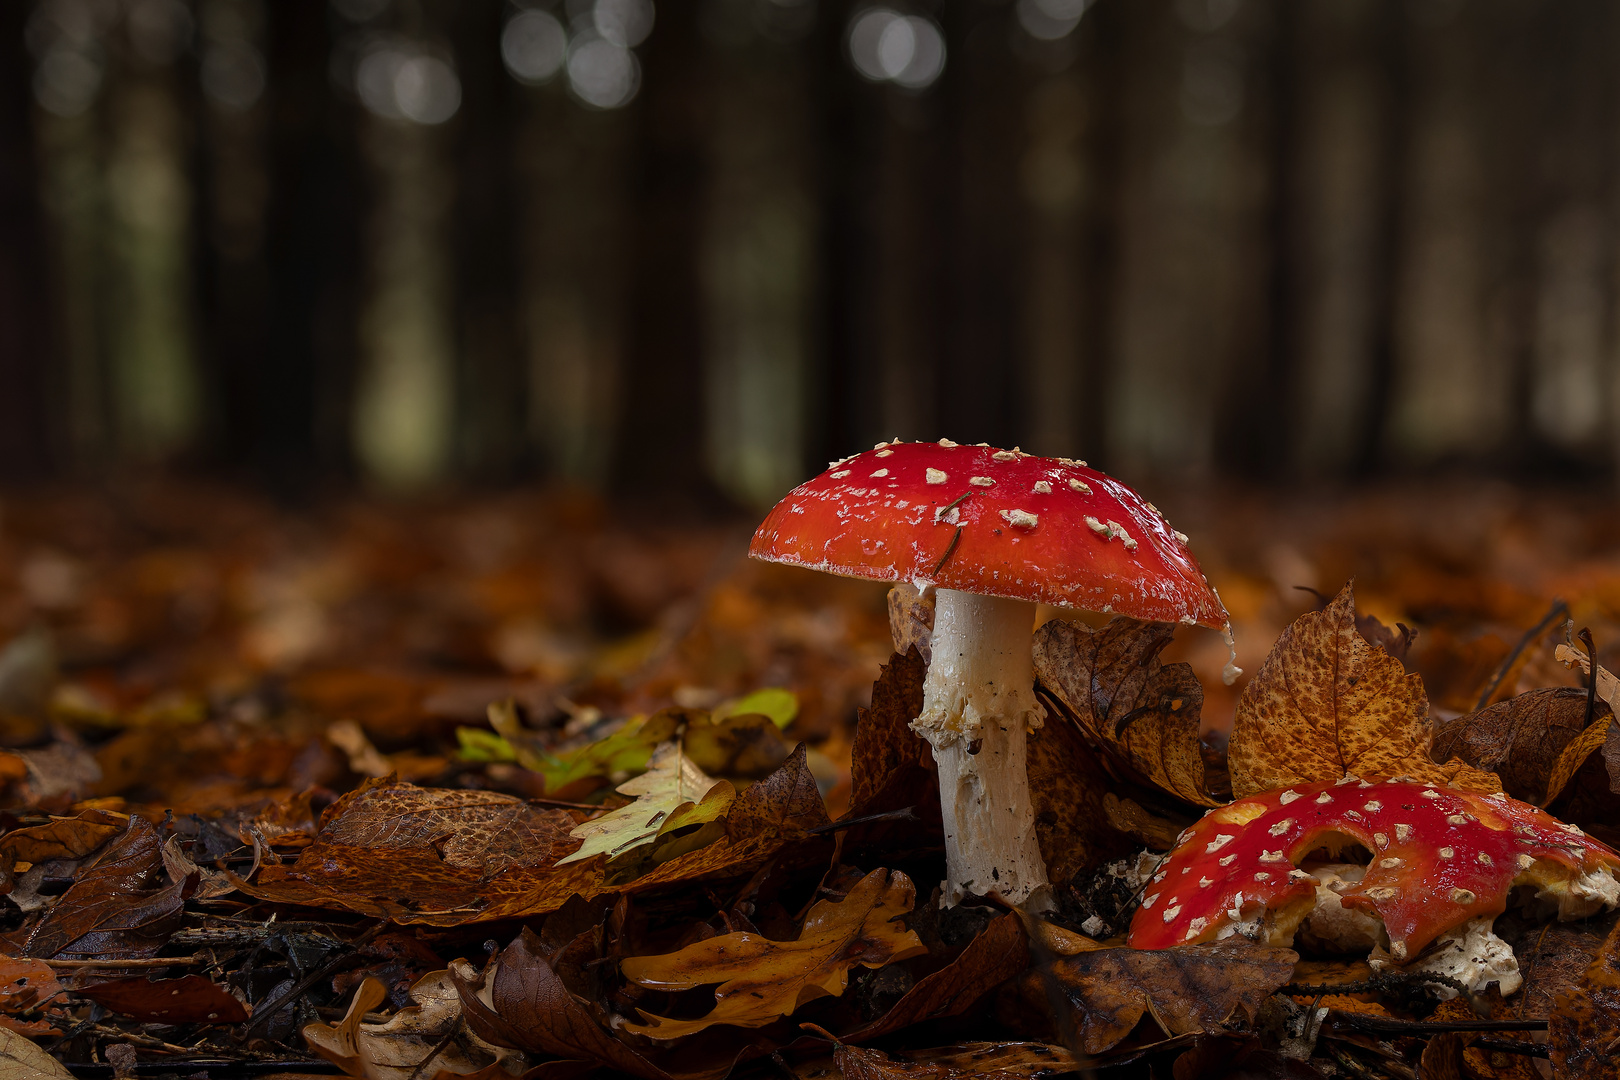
(774, 702)
(1001, 1061)
(990, 959)
(762, 980)
(123, 906)
(1326, 704)
(28, 986)
(1143, 713)
(1068, 791)
(20, 1059)
(888, 769)
(785, 805)
(1523, 739)
(911, 620)
(190, 999)
(1186, 988)
(671, 794)
(1131, 818)
(60, 838)
(427, 1038)
(1583, 1032)
(519, 1002)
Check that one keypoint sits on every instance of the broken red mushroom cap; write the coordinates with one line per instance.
(992, 522)
(1440, 856)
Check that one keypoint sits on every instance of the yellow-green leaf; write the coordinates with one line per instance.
(671, 794)
(773, 701)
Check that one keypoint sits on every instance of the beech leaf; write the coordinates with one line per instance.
(1526, 740)
(762, 980)
(1326, 704)
(671, 794)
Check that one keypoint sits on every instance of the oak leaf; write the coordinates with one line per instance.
(1583, 1032)
(1142, 713)
(671, 794)
(762, 980)
(1187, 988)
(1327, 704)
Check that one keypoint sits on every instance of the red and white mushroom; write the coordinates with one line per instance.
(1443, 861)
(997, 531)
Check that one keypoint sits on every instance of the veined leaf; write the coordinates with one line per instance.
(671, 794)
(773, 701)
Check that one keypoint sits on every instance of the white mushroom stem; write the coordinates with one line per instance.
(978, 707)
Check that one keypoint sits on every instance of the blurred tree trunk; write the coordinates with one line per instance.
(490, 435)
(233, 191)
(758, 257)
(301, 394)
(983, 347)
(1335, 206)
(25, 345)
(1452, 384)
(1192, 241)
(660, 443)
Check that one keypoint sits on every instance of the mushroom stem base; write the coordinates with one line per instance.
(978, 708)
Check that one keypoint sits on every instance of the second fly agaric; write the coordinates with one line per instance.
(997, 531)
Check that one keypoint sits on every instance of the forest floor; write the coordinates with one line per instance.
(292, 791)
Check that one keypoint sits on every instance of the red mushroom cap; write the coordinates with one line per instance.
(1440, 856)
(993, 522)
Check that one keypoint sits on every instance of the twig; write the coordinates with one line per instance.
(153, 962)
(905, 813)
(1387, 1025)
(1512, 1046)
(438, 1048)
(263, 1013)
(1558, 608)
(1591, 682)
(950, 548)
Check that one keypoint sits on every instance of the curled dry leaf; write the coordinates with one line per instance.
(996, 955)
(1584, 1029)
(671, 794)
(1187, 988)
(1327, 704)
(427, 1038)
(911, 620)
(762, 980)
(1141, 712)
(28, 986)
(520, 1002)
(60, 838)
(1523, 740)
(124, 906)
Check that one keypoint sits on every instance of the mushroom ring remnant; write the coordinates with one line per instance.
(1441, 857)
(997, 531)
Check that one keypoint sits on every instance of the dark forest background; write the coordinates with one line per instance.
(702, 246)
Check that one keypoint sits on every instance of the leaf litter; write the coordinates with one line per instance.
(347, 818)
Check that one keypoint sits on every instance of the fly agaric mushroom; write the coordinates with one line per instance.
(1443, 861)
(997, 531)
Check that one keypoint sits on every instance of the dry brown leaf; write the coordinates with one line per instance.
(999, 953)
(20, 1059)
(1523, 740)
(997, 1061)
(427, 1038)
(1583, 1032)
(60, 838)
(785, 805)
(29, 987)
(762, 980)
(1142, 712)
(189, 999)
(888, 767)
(1187, 988)
(1068, 790)
(911, 620)
(1326, 704)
